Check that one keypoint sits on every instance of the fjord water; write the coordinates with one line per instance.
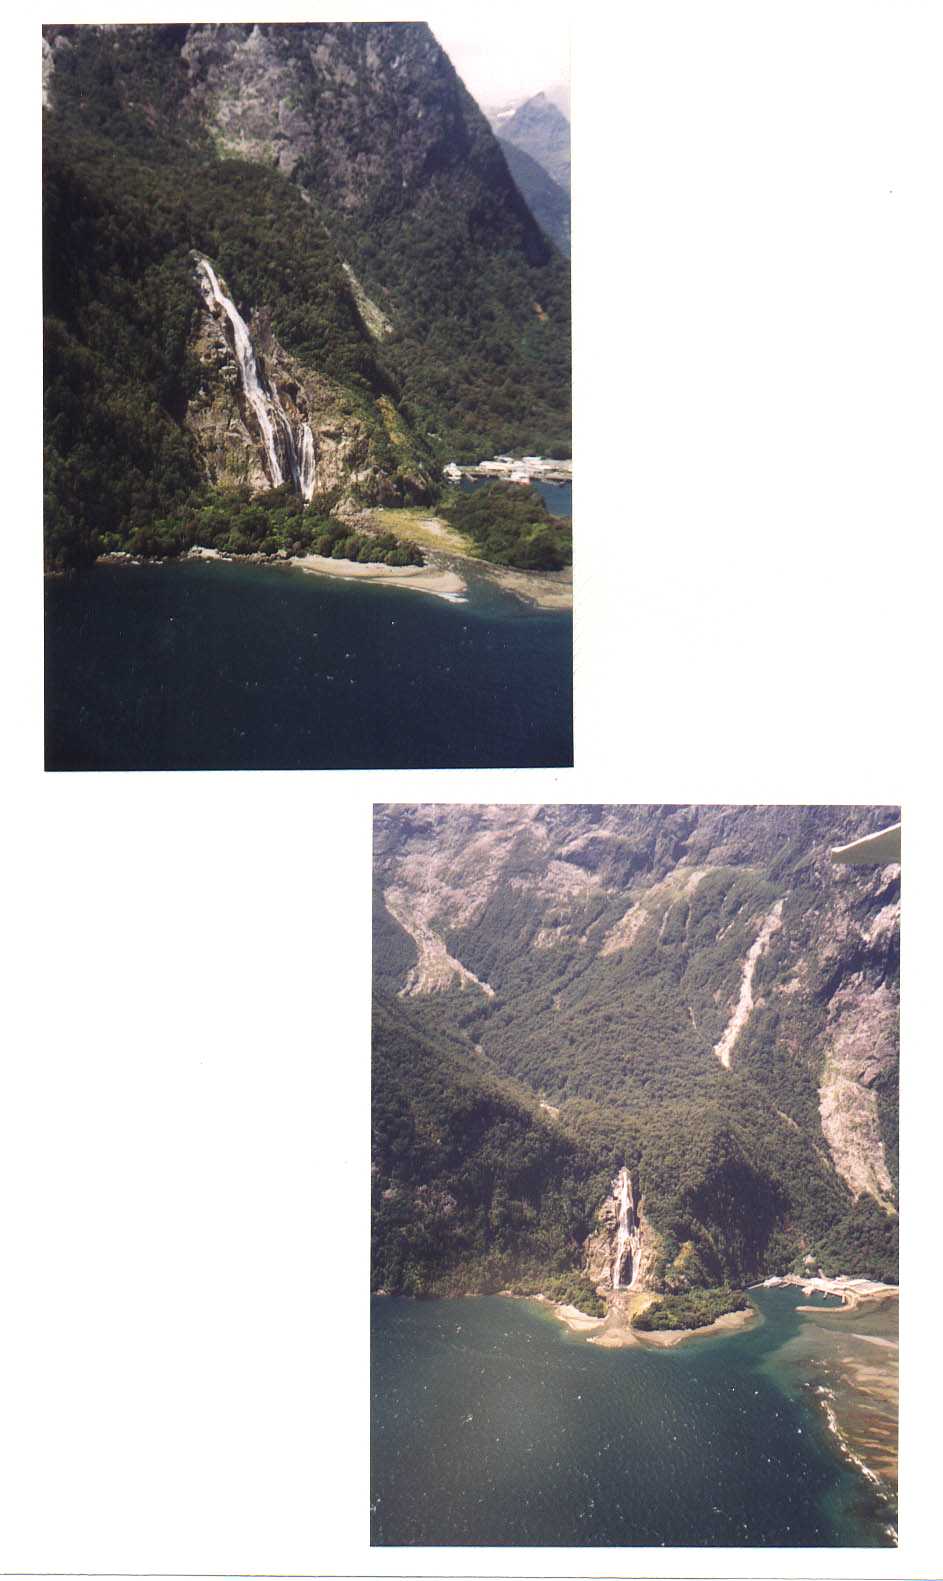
(492, 1425)
(200, 665)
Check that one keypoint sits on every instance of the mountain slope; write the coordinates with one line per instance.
(695, 994)
(396, 290)
(547, 201)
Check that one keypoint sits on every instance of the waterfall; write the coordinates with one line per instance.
(629, 1235)
(266, 405)
(307, 467)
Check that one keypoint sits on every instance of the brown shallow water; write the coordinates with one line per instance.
(849, 1358)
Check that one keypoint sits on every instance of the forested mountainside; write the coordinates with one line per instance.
(690, 1008)
(308, 229)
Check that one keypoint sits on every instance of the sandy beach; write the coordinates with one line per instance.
(423, 578)
(615, 1338)
(579, 1322)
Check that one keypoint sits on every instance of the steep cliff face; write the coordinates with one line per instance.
(704, 981)
(366, 114)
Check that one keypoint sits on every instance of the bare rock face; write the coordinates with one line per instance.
(599, 1248)
(296, 97)
(861, 1046)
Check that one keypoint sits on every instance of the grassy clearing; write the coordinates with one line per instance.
(418, 525)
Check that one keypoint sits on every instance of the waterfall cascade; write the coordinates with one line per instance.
(281, 448)
(307, 466)
(628, 1237)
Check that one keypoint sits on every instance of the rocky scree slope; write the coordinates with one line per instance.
(695, 994)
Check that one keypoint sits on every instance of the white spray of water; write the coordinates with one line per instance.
(266, 406)
(307, 466)
(629, 1235)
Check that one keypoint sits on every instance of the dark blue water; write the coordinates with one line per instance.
(220, 666)
(558, 497)
(491, 1425)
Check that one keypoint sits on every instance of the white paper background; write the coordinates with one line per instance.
(184, 1138)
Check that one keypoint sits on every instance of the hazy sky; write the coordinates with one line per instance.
(504, 51)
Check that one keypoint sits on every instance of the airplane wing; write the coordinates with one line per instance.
(879, 848)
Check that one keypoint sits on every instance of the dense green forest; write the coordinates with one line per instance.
(236, 522)
(136, 175)
(571, 1289)
(473, 1188)
(732, 1192)
(510, 525)
(731, 1165)
(696, 1309)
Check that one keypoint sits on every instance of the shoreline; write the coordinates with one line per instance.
(441, 576)
(666, 1339)
(432, 578)
(727, 1323)
(849, 1289)
(618, 1335)
(571, 1316)
(546, 589)
(552, 590)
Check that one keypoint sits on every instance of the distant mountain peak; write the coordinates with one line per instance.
(539, 129)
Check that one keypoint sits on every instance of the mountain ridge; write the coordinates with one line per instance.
(540, 129)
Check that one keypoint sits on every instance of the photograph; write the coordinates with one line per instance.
(307, 467)
(462, 1120)
(635, 1176)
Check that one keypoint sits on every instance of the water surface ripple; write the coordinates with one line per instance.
(492, 1425)
(227, 666)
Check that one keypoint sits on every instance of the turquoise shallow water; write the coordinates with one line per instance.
(224, 666)
(492, 1425)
